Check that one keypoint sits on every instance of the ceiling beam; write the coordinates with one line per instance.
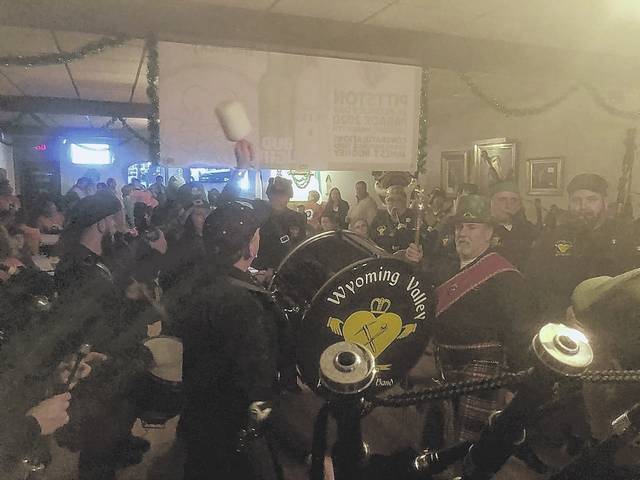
(206, 24)
(72, 106)
(35, 131)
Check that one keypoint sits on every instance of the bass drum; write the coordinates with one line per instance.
(314, 262)
(341, 287)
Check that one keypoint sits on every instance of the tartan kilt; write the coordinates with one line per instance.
(469, 414)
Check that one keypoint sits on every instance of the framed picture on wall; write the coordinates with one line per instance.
(493, 161)
(454, 170)
(545, 175)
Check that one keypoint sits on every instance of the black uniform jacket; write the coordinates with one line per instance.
(231, 353)
(569, 254)
(498, 310)
(278, 236)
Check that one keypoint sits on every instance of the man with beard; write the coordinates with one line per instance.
(513, 234)
(588, 244)
(101, 313)
(482, 322)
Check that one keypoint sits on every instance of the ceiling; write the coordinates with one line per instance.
(472, 33)
(594, 25)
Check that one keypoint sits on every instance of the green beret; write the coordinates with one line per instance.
(90, 210)
(588, 181)
(473, 209)
(504, 186)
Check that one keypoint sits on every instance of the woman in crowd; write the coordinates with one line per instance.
(337, 209)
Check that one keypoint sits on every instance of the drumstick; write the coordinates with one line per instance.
(81, 354)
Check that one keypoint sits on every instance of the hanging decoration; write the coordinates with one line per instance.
(153, 75)
(515, 111)
(593, 93)
(599, 100)
(301, 178)
(60, 58)
(423, 125)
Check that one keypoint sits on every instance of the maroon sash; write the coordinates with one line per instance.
(466, 280)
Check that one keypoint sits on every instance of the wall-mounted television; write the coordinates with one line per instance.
(91, 154)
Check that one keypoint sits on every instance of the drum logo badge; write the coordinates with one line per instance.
(381, 229)
(375, 330)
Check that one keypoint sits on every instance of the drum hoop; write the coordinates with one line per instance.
(347, 235)
(144, 342)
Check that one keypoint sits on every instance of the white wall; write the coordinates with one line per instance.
(589, 138)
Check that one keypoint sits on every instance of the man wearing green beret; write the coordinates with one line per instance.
(513, 234)
(587, 244)
(482, 322)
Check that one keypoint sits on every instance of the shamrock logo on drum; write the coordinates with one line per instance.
(375, 329)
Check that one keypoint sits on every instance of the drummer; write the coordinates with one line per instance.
(394, 229)
(232, 335)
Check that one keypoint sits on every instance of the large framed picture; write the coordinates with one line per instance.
(454, 170)
(545, 175)
(494, 160)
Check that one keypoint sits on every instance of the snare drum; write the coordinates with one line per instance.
(161, 397)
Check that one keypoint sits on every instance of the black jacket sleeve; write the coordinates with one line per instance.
(251, 339)
(17, 436)
(518, 317)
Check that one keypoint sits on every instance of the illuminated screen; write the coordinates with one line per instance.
(91, 154)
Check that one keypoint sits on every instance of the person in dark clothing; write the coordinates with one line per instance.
(394, 229)
(98, 311)
(231, 332)
(588, 244)
(513, 234)
(186, 252)
(23, 304)
(337, 209)
(284, 229)
(483, 321)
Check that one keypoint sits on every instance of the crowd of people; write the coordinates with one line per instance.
(201, 262)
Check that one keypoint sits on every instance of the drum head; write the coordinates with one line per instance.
(383, 304)
(167, 357)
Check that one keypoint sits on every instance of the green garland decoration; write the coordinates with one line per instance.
(599, 100)
(593, 93)
(153, 75)
(301, 178)
(45, 59)
(515, 111)
(421, 162)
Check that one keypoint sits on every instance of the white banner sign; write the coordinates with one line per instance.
(322, 113)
